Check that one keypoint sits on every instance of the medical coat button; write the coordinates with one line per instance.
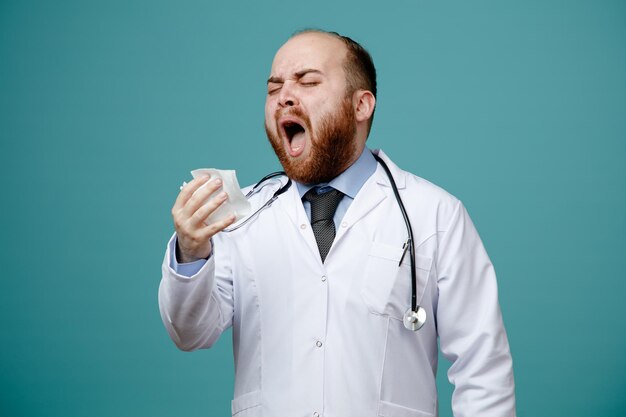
(344, 224)
(316, 414)
(318, 344)
(303, 226)
(323, 278)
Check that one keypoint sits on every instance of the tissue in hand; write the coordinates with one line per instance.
(236, 202)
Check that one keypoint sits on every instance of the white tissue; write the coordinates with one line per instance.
(236, 202)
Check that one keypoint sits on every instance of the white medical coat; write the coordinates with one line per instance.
(327, 339)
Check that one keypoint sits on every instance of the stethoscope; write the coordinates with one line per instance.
(255, 189)
(415, 316)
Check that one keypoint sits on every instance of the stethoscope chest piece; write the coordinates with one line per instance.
(414, 320)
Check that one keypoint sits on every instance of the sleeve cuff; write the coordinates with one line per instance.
(188, 269)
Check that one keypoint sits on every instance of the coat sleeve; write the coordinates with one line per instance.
(196, 310)
(469, 324)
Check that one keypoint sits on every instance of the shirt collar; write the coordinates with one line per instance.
(350, 181)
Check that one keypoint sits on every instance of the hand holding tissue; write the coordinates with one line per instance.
(236, 202)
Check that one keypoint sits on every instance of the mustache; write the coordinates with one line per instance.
(292, 111)
(289, 111)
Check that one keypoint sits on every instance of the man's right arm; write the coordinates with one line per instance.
(195, 306)
(195, 309)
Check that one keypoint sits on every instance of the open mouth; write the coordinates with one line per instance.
(295, 133)
(292, 129)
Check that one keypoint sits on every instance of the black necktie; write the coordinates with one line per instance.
(323, 208)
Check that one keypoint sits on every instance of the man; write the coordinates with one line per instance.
(316, 291)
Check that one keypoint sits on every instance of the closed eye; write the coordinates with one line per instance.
(272, 89)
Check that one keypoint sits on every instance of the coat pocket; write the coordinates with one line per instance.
(387, 283)
(387, 409)
(247, 405)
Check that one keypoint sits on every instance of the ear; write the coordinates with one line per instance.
(364, 103)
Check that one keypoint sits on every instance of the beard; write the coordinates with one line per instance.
(332, 146)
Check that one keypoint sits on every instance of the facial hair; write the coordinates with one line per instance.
(332, 146)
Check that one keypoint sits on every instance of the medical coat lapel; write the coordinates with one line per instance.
(371, 195)
(291, 204)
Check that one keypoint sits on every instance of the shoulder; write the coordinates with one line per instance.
(427, 190)
(414, 186)
(428, 204)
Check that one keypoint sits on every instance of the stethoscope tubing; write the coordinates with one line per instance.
(409, 229)
(255, 189)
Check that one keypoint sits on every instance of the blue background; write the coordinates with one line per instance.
(518, 108)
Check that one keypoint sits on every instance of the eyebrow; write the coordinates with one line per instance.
(298, 75)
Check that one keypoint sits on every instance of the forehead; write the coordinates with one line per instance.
(318, 51)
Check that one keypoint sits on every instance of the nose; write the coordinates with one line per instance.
(287, 97)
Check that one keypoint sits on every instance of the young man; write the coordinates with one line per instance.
(317, 286)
